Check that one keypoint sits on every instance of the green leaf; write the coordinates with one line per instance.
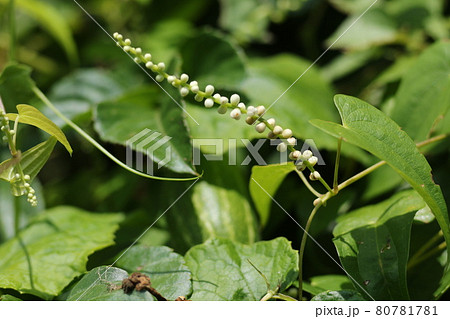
(340, 295)
(424, 215)
(331, 282)
(216, 206)
(31, 161)
(103, 284)
(423, 97)
(370, 129)
(16, 86)
(167, 270)
(351, 6)
(53, 250)
(9, 298)
(51, 20)
(373, 245)
(143, 120)
(221, 270)
(32, 116)
(78, 92)
(222, 63)
(264, 183)
(374, 28)
(381, 181)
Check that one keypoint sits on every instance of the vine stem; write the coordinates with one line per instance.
(418, 256)
(98, 146)
(336, 165)
(17, 211)
(302, 250)
(12, 31)
(307, 184)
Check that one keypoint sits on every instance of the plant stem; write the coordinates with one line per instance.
(417, 256)
(307, 184)
(284, 297)
(98, 146)
(12, 31)
(431, 140)
(360, 175)
(336, 165)
(267, 296)
(430, 253)
(17, 211)
(302, 250)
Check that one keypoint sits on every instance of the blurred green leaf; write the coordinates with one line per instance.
(103, 284)
(381, 181)
(370, 129)
(221, 269)
(373, 245)
(53, 250)
(51, 20)
(32, 116)
(78, 92)
(9, 298)
(216, 206)
(167, 270)
(264, 183)
(423, 97)
(331, 282)
(209, 58)
(142, 121)
(361, 32)
(351, 6)
(16, 86)
(340, 295)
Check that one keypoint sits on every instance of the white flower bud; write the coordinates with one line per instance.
(235, 114)
(241, 106)
(209, 89)
(184, 77)
(271, 135)
(251, 110)
(127, 42)
(261, 110)
(195, 89)
(30, 195)
(27, 177)
(127, 48)
(137, 60)
(287, 133)
(184, 91)
(138, 51)
(295, 155)
(148, 56)
(223, 100)
(159, 78)
(222, 109)
(317, 201)
(250, 120)
(209, 103)
(26, 185)
(161, 66)
(307, 155)
(281, 147)
(314, 176)
(217, 96)
(313, 160)
(193, 83)
(155, 68)
(171, 78)
(12, 132)
(291, 141)
(149, 65)
(17, 176)
(261, 127)
(198, 98)
(271, 121)
(235, 99)
(277, 130)
(115, 35)
(300, 166)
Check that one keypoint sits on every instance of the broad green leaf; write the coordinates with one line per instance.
(370, 129)
(8, 209)
(9, 298)
(249, 20)
(307, 99)
(381, 181)
(331, 282)
(373, 245)
(31, 161)
(423, 97)
(351, 6)
(103, 284)
(78, 92)
(221, 269)
(32, 116)
(216, 206)
(53, 250)
(264, 183)
(210, 58)
(340, 295)
(148, 122)
(374, 28)
(16, 86)
(167, 270)
(51, 20)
